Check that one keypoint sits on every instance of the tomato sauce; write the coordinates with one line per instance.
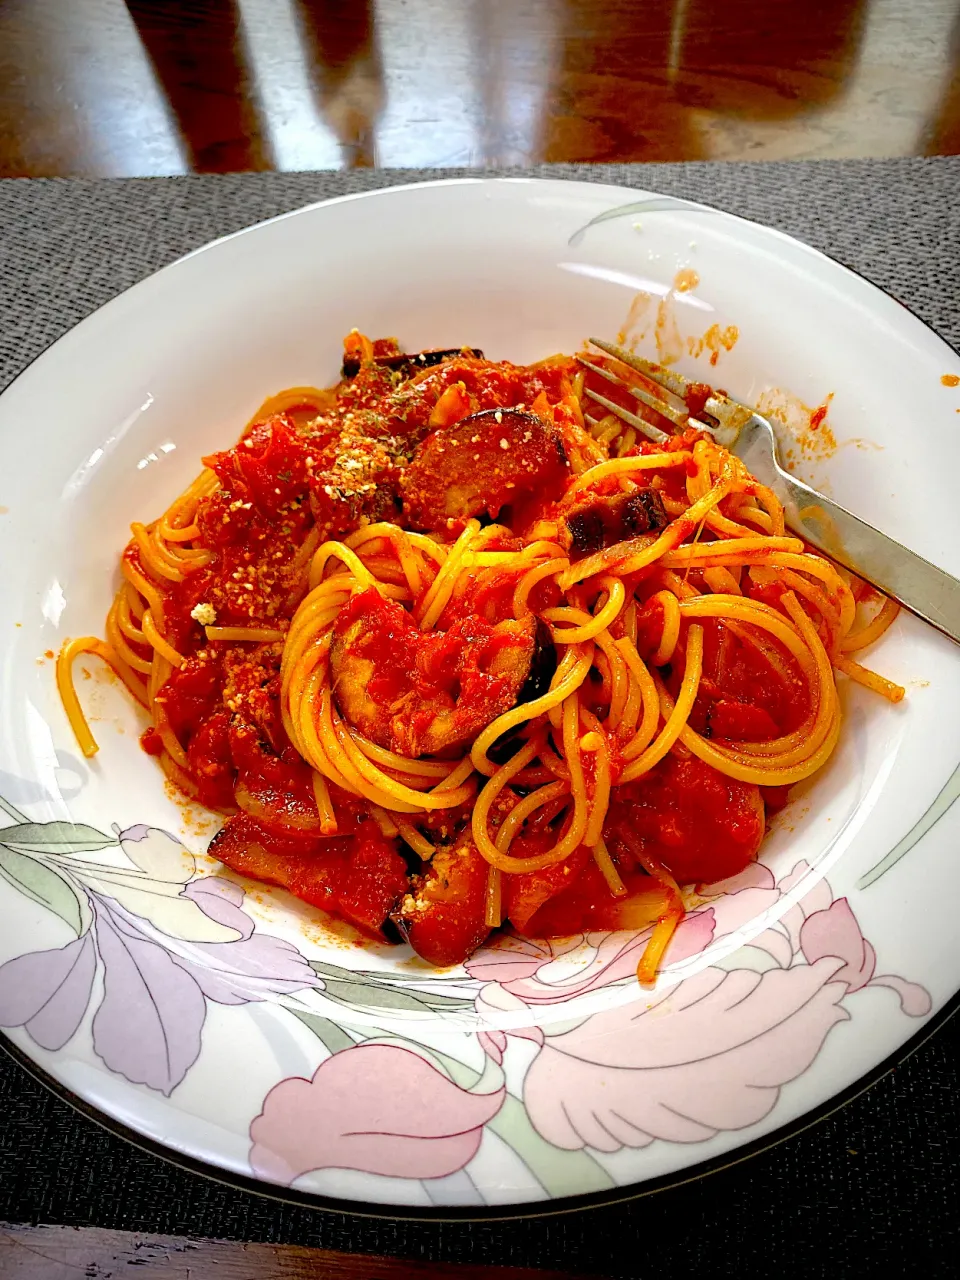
(360, 877)
(699, 824)
(392, 447)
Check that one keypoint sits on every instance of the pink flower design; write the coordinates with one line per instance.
(528, 969)
(741, 901)
(707, 1055)
(754, 876)
(522, 966)
(817, 898)
(375, 1107)
(835, 932)
(711, 1054)
(493, 1000)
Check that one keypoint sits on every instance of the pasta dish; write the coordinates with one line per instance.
(449, 653)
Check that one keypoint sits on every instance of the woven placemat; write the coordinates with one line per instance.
(877, 1182)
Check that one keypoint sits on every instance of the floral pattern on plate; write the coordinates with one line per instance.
(710, 1053)
(165, 943)
(561, 1079)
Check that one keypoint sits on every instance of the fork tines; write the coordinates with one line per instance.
(661, 390)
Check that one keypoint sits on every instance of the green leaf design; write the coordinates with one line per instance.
(43, 885)
(372, 995)
(559, 1172)
(55, 838)
(377, 991)
(326, 970)
(11, 812)
(425, 975)
(332, 1037)
(947, 796)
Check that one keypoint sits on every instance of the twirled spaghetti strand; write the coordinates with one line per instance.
(630, 627)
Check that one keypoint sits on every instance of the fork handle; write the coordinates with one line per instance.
(929, 592)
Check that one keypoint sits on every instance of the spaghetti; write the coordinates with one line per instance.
(449, 654)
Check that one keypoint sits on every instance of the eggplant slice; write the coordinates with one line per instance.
(410, 364)
(598, 522)
(481, 464)
(392, 682)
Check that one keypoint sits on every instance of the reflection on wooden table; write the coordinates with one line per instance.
(124, 87)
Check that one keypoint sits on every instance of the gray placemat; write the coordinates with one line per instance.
(875, 1183)
(67, 245)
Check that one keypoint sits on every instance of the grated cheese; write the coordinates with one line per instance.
(204, 613)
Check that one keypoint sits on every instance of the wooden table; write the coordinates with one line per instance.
(114, 88)
(66, 1253)
(107, 88)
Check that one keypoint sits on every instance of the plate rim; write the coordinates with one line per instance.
(545, 1207)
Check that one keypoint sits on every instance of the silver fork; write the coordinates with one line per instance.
(918, 585)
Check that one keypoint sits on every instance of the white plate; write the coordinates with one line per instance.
(174, 1003)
